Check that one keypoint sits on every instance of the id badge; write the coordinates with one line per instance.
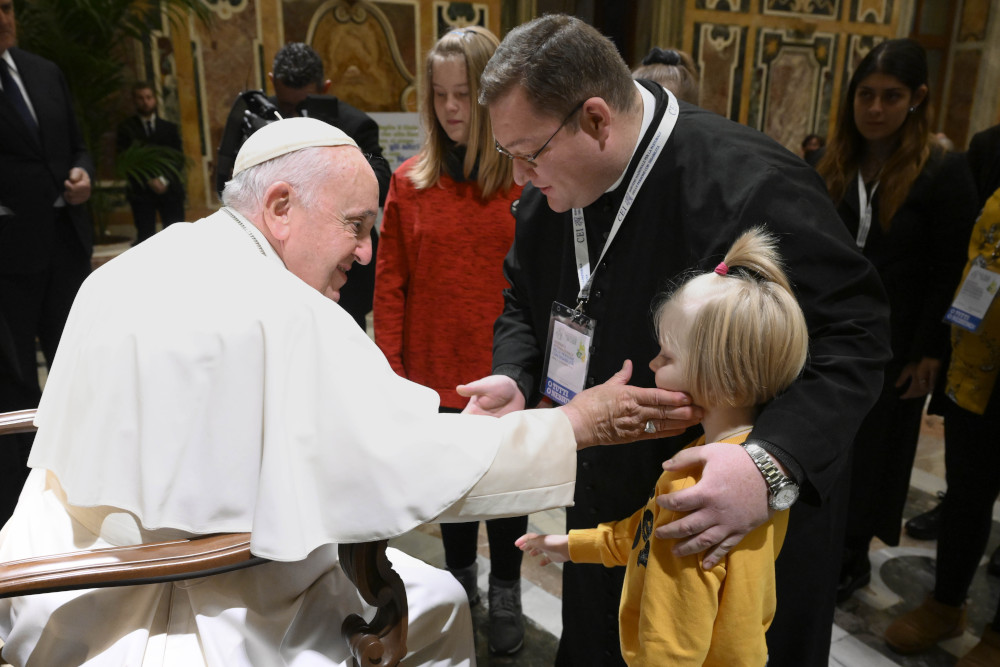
(974, 298)
(567, 355)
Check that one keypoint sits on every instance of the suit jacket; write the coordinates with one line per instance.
(984, 160)
(165, 134)
(33, 169)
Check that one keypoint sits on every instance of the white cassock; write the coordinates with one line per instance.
(200, 387)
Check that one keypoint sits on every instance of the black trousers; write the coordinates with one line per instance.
(144, 210)
(461, 541)
(33, 306)
(972, 471)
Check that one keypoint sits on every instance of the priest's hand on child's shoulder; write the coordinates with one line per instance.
(728, 501)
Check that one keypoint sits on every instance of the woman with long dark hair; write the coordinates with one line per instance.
(908, 205)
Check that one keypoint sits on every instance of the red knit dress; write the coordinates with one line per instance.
(439, 280)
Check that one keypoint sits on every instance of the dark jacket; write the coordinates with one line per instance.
(165, 134)
(32, 171)
(921, 257)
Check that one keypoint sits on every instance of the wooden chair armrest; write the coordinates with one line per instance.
(21, 421)
(381, 642)
(152, 563)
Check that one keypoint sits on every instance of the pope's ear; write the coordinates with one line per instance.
(277, 204)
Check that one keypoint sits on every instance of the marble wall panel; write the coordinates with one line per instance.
(719, 51)
(807, 9)
(792, 74)
(449, 15)
(973, 21)
(362, 57)
(740, 6)
(871, 11)
(225, 9)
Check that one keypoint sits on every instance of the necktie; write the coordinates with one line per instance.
(149, 128)
(13, 94)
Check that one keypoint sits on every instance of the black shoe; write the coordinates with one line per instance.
(506, 634)
(993, 567)
(469, 578)
(926, 526)
(855, 574)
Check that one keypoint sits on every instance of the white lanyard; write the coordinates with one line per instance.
(642, 170)
(865, 210)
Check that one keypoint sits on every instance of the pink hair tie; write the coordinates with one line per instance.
(722, 269)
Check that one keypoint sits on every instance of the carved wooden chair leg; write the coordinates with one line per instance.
(382, 641)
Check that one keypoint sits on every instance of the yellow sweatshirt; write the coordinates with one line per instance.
(672, 611)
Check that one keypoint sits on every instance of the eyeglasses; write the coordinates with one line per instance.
(530, 159)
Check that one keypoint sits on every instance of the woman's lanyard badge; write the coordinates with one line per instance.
(865, 211)
(571, 332)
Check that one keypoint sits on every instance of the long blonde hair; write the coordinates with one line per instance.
(474, 45)
(905, 60)
(748, 339)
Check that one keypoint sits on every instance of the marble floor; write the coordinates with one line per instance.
(901, 578)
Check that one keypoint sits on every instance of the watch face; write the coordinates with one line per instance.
(784, 497)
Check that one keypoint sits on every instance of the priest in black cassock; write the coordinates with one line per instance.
(630, 188)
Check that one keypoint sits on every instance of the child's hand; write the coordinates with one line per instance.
(552, 548)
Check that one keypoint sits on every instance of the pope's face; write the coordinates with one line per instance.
(568, 171)
(332, 232)
(8, 26)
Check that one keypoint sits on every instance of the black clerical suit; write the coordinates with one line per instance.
(712, 181)
(355, 296)
(44, 248)
(145, 201)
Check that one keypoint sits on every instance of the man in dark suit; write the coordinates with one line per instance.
(164, 193)
(45, 232)
(301, 90)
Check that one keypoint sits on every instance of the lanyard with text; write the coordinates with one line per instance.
(571, 332)
(645, 165)
(865, 210)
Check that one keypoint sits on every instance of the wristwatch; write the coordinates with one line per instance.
(782, 490)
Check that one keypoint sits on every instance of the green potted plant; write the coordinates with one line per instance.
(91, 41)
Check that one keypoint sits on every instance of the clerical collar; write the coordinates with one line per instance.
(256, 236)
(648, 109)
